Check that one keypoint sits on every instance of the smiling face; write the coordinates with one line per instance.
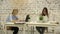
(45, 11)
(15, 12)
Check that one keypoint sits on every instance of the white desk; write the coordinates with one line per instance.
(34, 24)
(15, 25)
(27, 24)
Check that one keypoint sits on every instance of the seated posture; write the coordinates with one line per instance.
(45, 16)
(13, 18)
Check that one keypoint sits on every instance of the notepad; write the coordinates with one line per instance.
(9, 23)
(20, 22)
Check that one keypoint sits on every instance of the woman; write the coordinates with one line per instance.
(45, 16)
(13, 18)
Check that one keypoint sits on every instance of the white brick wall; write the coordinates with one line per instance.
(32, 7)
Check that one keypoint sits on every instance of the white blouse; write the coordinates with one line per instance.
(45, 19)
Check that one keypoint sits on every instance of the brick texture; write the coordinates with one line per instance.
(32, 7)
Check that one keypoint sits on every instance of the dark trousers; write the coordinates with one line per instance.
(41, 30)
(15, 29)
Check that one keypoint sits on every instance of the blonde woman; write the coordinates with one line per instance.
(13, 18)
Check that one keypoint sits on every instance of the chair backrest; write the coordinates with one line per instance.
(1, 24)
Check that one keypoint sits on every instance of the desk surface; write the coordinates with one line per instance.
(32, 23)
(41, 24)
(15, 23)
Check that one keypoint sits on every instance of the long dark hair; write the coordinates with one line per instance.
(46, 10)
